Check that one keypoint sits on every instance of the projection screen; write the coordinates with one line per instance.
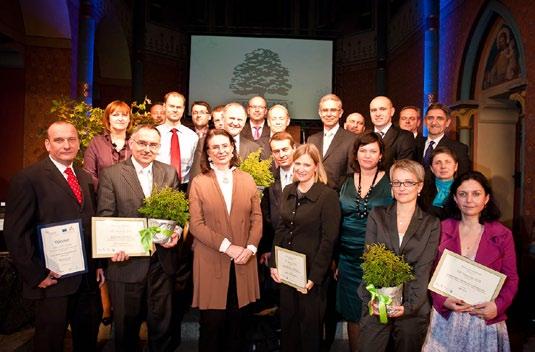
(291, 72)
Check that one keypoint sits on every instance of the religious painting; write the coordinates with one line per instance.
(501, 64)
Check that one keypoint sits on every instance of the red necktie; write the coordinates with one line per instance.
(73, 184)
(175, 152)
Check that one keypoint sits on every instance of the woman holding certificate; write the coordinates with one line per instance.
(309, 225)
(226, 223)
(408, 231)
(367, 188)
(474, 232)
(437, 184)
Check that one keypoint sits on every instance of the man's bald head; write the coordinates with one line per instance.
(381, 111)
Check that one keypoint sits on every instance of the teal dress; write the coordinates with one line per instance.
(352, 233)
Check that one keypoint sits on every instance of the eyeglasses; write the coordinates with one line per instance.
(257, 107)
(408, 184)
(144, 145)
(332, 111)
(220, 147)
(199, 112)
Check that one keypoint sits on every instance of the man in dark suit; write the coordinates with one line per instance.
(437, 120)
(234, 117)
(335, 143)
(142, 287)
(257, 127)
(399, 144)
(50, 191)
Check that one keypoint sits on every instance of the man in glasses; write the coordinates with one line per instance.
(141, 288)
(257, 127)
(335, 143)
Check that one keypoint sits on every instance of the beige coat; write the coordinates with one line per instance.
(210, 224)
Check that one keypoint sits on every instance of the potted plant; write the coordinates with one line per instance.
(165, 208)
(259, 169)
(384, 273)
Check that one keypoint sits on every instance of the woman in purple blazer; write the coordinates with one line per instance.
(474, 232)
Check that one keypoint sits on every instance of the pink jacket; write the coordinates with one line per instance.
(496, 251)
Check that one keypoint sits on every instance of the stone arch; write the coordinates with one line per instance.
(496, 126)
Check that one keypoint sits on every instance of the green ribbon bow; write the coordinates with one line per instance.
(384, 300)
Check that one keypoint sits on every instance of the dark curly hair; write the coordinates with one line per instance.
(490, 213)
(365, 139)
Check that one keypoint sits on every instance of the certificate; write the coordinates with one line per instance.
(462, 278)
(292, 267)
(112, 235)
(63, 248)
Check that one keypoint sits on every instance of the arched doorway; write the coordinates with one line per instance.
(493, 81)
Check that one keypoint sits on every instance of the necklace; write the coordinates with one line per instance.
(362, 202)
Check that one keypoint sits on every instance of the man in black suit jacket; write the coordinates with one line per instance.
(335, 143)
(40, 195)
(257, 127)
(437, 120)
(142, 287)
(399, 144)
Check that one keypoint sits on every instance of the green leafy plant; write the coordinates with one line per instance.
(164, 203)
(88, 119)
(383, 268)
(259, 169)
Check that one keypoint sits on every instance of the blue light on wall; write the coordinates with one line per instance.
(430, 66)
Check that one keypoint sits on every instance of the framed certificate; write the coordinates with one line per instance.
(292, 267)
(462, 278)
(112, 235)
(62, 246)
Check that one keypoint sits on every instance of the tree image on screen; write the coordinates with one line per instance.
(261, 72)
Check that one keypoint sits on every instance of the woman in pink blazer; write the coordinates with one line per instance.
(474, 232)
(226, 223)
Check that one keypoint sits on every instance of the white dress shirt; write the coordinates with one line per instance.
(144, 175)
(286, 177)
(428, 141)
(328, 137)
(62, 167)
(384, 130)
(187, 140)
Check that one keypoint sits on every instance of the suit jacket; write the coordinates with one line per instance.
(120, 194)
(196, 164)
(309, 225)
(246, 147)
(337, 161)
(496, 250)
(399, 144)
(270, 205)
(247, 132)
(40, 195)
(460, 149)
(210, 224)
(419, 248)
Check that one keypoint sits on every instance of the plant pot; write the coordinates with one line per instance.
(395, 293)
(161, 238)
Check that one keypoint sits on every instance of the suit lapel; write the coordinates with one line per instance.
(55, 175)
(411, 230)
(390, 136)
(128, 172)
(391, 234)
(157, 176)
(337, 139)
(487, 252)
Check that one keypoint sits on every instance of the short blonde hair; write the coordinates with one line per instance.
(314, 154)
(411, 166)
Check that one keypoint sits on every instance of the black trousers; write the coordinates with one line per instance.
(407, 333)
(223, 329)
(82, 310)
(151, 300)
(302, 318)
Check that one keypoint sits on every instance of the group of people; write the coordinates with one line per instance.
(346, 187)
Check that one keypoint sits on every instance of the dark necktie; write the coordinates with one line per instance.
(175, 153)
(427, 154)
(73, 184)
